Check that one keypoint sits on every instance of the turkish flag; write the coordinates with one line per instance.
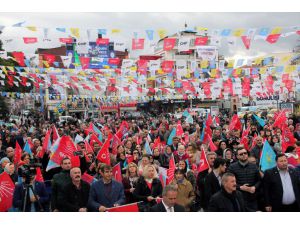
(203, 165)
(30, 40)
(93, 139)
(85, 62)
(102, 41)
(115, 143)
(46, 143)
(169, 43)
(209, 121)
(235, 123)
(171, 170)
(19, 57)
(125, 208)
(273, 38)
(116, 171)
(39, 176)
(138, 43)
(246, 40)
(7, 188)
(212, 146)
(179, 130)
(88, 147)
(87, 178)
(103, 154)
(65, 148)
(129, 158)
(201, 41)
(18, 153)
(66, 40)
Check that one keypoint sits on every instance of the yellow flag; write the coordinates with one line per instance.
(230, 63)
(32, 28)
(201, 29)
(263, 70)
(115, 31)
(238, 71)
(162, 33)
(134, 68)
(286, 58)
(11, 68)
(276, 30)
(258, 60)
(290, 69)
(172, 83)
(204, 64)
(238, 32)
(4, 69)
(213, 73)
(46, 64)
(188, 75)
(75, 32)
(160, 71)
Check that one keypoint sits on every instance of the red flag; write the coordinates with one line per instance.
(65, 148)
(212, 146)
(6, 192)
(55, 134)
(75, 161)
(93, 139)
(246, 40)
(129, 158)
(122, 130)
(157, 143)
(171, 170)
(30, 40)
(280, 119)
(66, 40)
(49, 58)
(85, 61)
(201, 41)
(244, 141)
(209, 121)
(117, 172)
(288, 139)
(203, 165)
(138, 43)
(103, 154)
(115, 143)
(102, 41)
(87, 178)
(125, 208)
(235, 123)
(167, 66)
(88, 147)
(39, 176)
(46, 144)
(179, 130)
(169, 43)
(273, 38)
(19, 57)
(18, 154)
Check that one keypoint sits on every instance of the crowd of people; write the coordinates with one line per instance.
(167, 178)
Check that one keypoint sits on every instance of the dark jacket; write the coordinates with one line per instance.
(225, 202)
(98, 197)
(142, 191)
(73, 199)
(200, 184)
(273, 191)
(127, 186)
(59, 183)
(211, 186)
(19, 197)
(248, 174)
(256, 152)
(164, 160)
(160, 208)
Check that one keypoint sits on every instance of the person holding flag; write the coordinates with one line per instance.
(148, 188)
(130, 181)
(106, 192)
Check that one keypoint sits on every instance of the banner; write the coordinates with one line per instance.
(207, 52)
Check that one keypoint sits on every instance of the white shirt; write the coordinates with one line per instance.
(288, 196)
(168, 209)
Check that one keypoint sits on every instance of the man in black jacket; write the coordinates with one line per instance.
(247, 178)
(168, 203)
(228, 199)
(76, 194)
(281, 187)
(59, 182)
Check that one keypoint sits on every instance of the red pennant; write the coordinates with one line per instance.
(85, 62)
(138, 44)
(98, 87)
(102, 41)
(126, 89)
(246, 40)
(7, 188)
(273, 38)
(169, 43)
(39, 176)
(19, 57)
(201, 41)
(103, 154)
(116, 171)
(167, 66)
(30, 40)
(65, 148)
(203, 165)
(140, 89)
(125, 208)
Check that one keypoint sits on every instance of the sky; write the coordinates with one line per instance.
(130, 22)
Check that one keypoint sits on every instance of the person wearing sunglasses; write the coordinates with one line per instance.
(247, 178)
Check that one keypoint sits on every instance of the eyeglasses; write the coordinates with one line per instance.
(243, 153)
(135, 153)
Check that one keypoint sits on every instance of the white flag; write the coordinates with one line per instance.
(181, 68)
(119, 45)
(82, 47)
(154, 65)
(67, 60)
(183, 44)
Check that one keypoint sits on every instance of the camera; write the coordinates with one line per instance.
(28, 171)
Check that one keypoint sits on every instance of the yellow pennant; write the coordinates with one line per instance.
(46, 64)
(162, 33)
(188, 75)
(258, 60)
(263, 70)
(286, 58)
(32, 28)
(115, 31)
(230, 63)
(290, 69)
(276, 30)
(201, 29)
(75, 32)
(204, 64)
(238, 32)
(4, 69)
(238, 71)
